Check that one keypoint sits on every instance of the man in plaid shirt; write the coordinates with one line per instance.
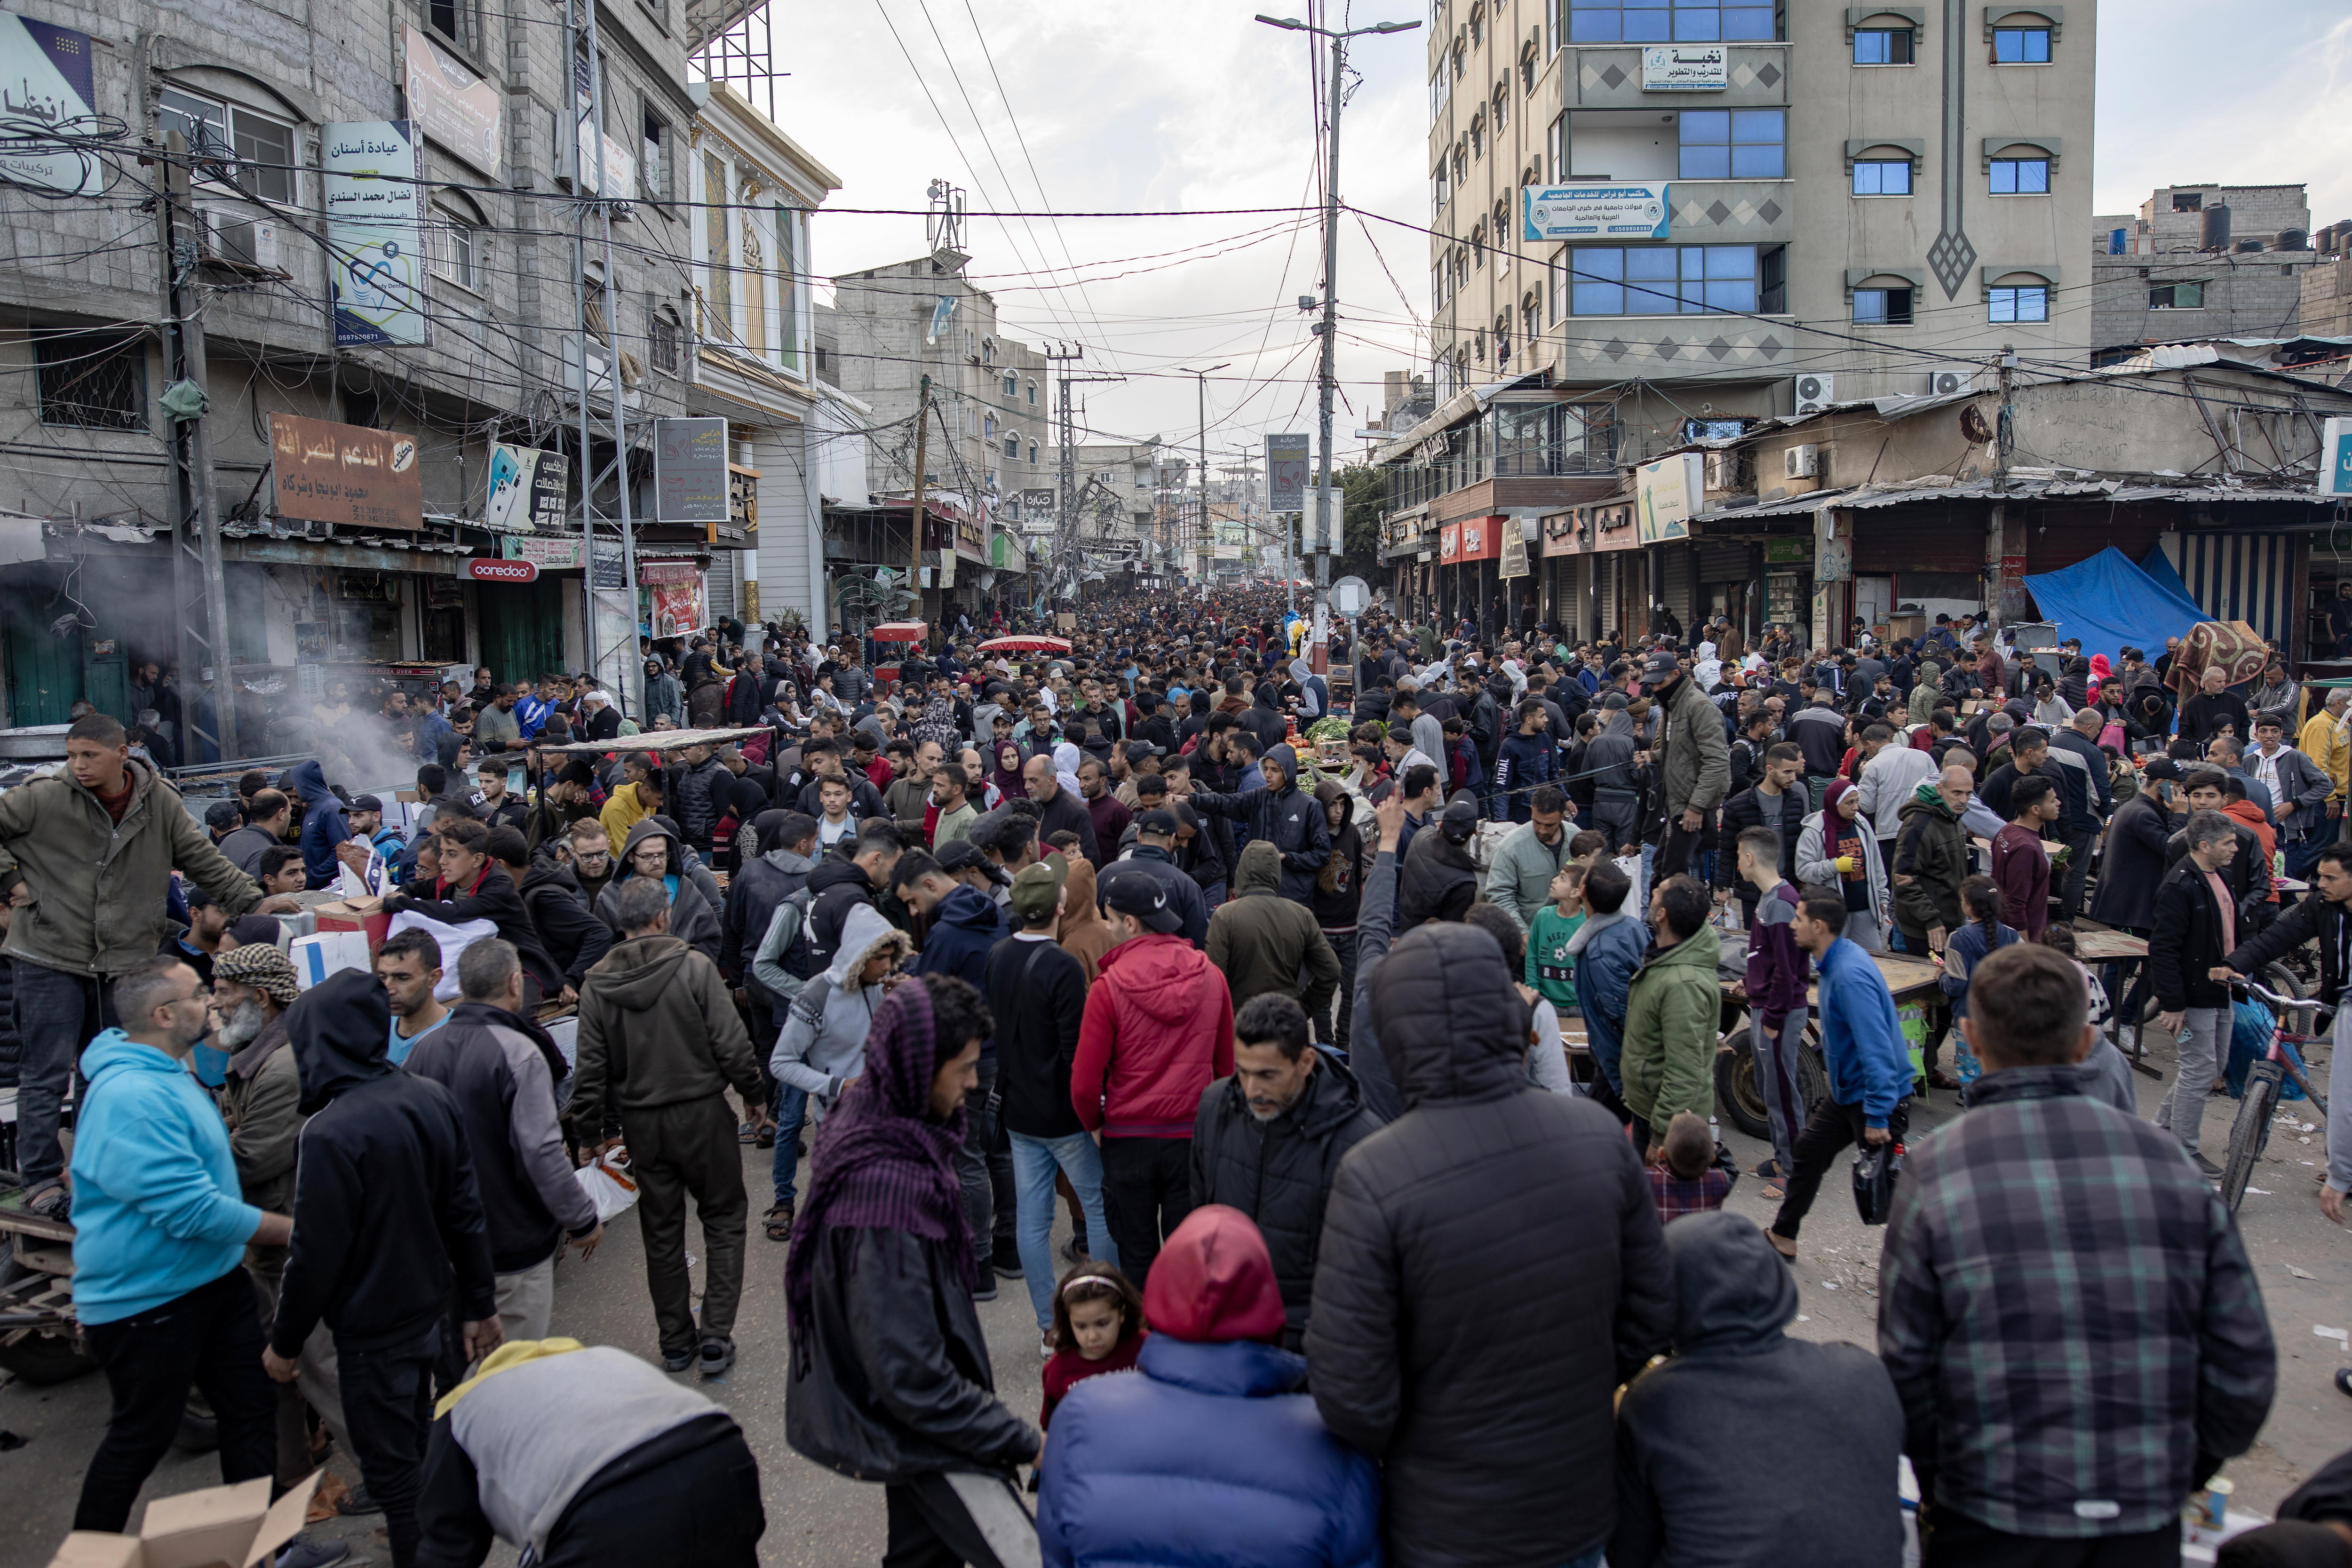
(2065, 1307)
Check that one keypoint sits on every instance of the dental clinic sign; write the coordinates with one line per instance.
(2335, 458)
(1610, 211)
(46, 89)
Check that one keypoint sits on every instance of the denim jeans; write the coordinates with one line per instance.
(985, 1167)
(1343, 947)
(1034, 1160)
(2204, 1046)
(791, 1110)
(57, 1014)
(1776, 1078)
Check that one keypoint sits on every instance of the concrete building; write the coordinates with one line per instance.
(2327, 283)
(275, 100)
(2200, 262)
(1740, 210)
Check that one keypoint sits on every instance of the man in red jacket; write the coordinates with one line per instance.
(1158, 1029)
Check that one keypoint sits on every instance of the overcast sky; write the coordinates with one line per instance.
(1197, 106)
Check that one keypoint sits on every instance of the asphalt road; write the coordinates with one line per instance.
(818, 1520)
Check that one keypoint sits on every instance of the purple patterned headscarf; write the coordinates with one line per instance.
(880, 1162)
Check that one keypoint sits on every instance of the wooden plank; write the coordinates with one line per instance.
(2108, 946)
(655, 741)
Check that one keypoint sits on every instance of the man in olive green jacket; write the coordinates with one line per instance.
(1673, 1013)
(87, 857)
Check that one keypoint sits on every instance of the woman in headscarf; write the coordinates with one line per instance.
(1085, 934)
(1004, 779)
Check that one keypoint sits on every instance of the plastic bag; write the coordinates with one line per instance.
(2250, 1042)
(607, 1181)
(1875, 1169)
(453, 940)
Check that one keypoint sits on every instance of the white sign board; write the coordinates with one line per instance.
(375, 232)
(2335, 458)
(1686, 67)
(46, 89)
(1351, 597)
(1609, 211)
(1287, 462)
(1666, 493)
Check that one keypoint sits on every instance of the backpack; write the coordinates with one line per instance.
(802, 958)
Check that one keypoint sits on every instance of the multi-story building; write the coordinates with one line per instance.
(2200, 262)
(1652, 223)
(2326, 306)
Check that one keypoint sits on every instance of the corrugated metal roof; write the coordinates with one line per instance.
(2017, 487)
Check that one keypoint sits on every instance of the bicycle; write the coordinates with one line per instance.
(2252, 1129)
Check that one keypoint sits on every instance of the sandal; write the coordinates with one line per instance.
(49, 1199)
(1773, 1190)
(779, 1222)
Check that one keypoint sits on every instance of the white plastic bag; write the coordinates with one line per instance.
(453, 940)
(608, 1183)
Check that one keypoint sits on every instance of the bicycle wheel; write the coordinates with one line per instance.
(2250, 1131)
(1739, 1092)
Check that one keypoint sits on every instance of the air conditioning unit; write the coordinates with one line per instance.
(1946, 382)
(1724, 470)
(1800, 462)
(238, 236)
(1815, 393)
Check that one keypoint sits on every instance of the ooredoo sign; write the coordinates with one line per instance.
(486, 571)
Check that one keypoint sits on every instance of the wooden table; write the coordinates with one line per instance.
(1908, 979)
(2126, 952)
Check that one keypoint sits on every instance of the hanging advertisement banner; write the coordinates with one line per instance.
(375, 233)
(1594, 212)
(526, 487)
(691, 471)
(1667, 493)
(557, 555)
(324, 472)
(45, 87)
(449, 103)
(1287, 465)
(675, 609)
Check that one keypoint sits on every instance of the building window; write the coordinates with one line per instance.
(652, 158)
(1478, 24)
(988, 426)
(2027, 302)
(1441, 91)
(1033, 394)
(1032, 452)
(2021, 45)
(1478, 244)
(1881, 306)
(249, 150)
(1528, 68)
(718, 233)
(1662, 280)
(791, 250)
(1502, 107)
(2021, 176)
(1882, 46)
(453, 247)
(93, 382)
(1556, 283)
(2188, 201)
(1881, 177)
(1012, 386)
(2176, 297)
(1556, 151)
(661, 340)
(1531, 322)
(1734, 143)
(453, 19)
(1478, 135)
(1013, 447)
(1655, 22)
(1461, 161)
(1437, 189)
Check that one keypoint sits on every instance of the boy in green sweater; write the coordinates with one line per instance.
(1550, 967)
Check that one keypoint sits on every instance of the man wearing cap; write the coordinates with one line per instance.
(1156, 842)
(1158, 1029)
(1694, 761)
(1403, 753)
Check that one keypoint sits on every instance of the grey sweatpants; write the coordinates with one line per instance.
(1776, 1077)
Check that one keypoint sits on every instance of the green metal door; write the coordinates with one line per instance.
(522, 627)
(45, 673)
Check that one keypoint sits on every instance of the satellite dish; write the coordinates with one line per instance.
(1350, 596)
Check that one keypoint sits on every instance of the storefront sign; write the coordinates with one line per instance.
(1514, 556)
(1667, 493)
(526, 488)
(970, 540)
(1560, 533)
(1482, 537)
(1686, 67)
(547, 554)
(2335, 456)
(612, 569)
(45, 82)
(342, 473)
(486, 571)
(375, 232)
(1594, 212)
(742, 509)
(655, 573)
(675, 609)
(449, 102)
(1449, 544)
(1787, 552)
(691, 471)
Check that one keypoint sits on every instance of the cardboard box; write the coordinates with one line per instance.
(220, 1527)
(365, 915)
(316, 957)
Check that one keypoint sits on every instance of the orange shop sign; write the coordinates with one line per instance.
(1482, 537)
(1449, 544)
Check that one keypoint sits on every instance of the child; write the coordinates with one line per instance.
(1982, 903)
(1589, 848)
(1688, 1181)
(1551, 968)
(2112, 1076)
(1547, 1054)
(1097, 1328)
(1775, 984)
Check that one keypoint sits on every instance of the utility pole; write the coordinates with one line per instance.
(196, 586)
(630, 675)
(914, 516)
(1317, 657)
(1208, 534)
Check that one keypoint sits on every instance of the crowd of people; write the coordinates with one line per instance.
(1363, 1042)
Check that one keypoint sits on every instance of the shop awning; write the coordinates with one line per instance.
(2110, 602)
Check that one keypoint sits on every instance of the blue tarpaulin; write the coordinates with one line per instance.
(2110, 602)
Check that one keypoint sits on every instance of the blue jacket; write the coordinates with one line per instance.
(1862, 1039)
(324, 823)
(966, 929)
(1607, 954)
(1205, 1454)
(1521, 762)
(156, 1208)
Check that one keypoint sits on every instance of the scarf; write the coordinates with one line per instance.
(880, 1162)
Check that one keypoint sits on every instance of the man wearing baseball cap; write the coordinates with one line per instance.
(1158, 1029)
(1154, 856)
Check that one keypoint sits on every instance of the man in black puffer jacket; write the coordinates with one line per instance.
(1489, 1410)
(1269, 1140)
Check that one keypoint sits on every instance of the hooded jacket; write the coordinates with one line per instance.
(1672, 1011)
(324, 823)
(1933, 851)
(157, 1210)
(658, 1027)
(497, 1074)
(1037, 992)
(1819, 1425)
(1279, 1172)
(692, 918)
(822, 1043)
(1607, 950)
(388, 1225)
(1817, 864)
(54, 832)
(1183, 886)
(1694, 760)
(1489, 1410)
(1291, 818)
(1262, 942)
(1159, 1028)
(573, 938)
(1211, 1428)
(1438, 881)
(767, 880)
(965, 928)
(835, 884)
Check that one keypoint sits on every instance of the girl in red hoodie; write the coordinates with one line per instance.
(1097, 1328)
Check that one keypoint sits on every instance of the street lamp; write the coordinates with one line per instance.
(1320, 635)
(1200, 382)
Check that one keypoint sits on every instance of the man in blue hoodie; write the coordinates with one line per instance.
(160, 1233)
(1862, 1046)
(1607, 948)
(324, 826)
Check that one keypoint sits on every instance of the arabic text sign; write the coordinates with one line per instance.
(1667, 493)
(345, 473)
(375, 232)
(45, 84)
(450, 103)
(1286, 466)
(1609, 211)
(547, 554)
(1686, 67)
(691, 471)
(526, 488)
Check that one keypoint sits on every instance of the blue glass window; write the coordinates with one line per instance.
(2028, 303)
(1668, 22)
(1661, 280)
(1881, 177)
(2021, 45)
(2021, 176)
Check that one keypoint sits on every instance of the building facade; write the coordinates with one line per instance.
(2198, 262)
